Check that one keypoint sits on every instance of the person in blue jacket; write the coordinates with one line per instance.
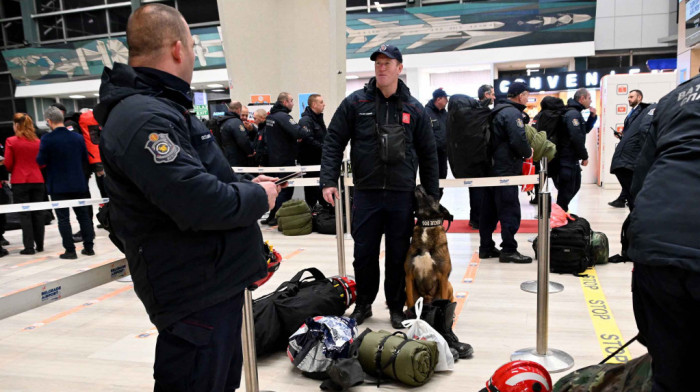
(663, 240)
(64, 155)
(187, 223)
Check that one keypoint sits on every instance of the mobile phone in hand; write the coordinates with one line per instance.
(288, 177)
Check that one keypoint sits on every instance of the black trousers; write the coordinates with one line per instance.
(568, 183)
(82, 214)
(5, 198)
(499, 204)
(201, 352)
(32, 222)
(625, 177)
(313, 194)
(442, 166)
(667, 310)
(376, 213)
(476, 198)
(284, 196)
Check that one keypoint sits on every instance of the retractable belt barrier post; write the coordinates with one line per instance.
(339, 235)
(553, 360)
(250, 359)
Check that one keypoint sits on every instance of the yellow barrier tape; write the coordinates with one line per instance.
(606, 329)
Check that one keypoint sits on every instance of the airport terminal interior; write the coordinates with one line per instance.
(77, 325)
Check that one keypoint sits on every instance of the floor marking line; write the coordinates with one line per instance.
(78, 308)
(472, 268)
(296, 252)
(29, 262)
(606, 329)
(461, 299)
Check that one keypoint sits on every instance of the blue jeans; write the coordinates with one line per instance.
(84, 215)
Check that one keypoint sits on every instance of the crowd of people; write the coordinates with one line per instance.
(163, 170)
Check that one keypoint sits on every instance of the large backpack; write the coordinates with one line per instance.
(570, 247)
(551, 118)
(214, 124)
(468, 137)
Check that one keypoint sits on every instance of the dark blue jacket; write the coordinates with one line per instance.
(354, 121)
(508, 140)
(283, 134)
(63, 153)
(438, 121)
(627, 150)
(664, 228)
(187, 222)
(311, 147)
(572, 146)
(634, 114)
(234, 139)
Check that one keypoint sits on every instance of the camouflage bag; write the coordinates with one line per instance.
(600, 250)
(633, 376)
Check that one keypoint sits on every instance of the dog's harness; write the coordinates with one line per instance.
(437, 222)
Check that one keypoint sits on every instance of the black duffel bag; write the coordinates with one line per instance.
(570, 247)
(279, 314)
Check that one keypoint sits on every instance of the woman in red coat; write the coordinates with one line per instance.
(26, 179)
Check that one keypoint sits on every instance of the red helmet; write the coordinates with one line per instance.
(520, 376)
(349, 286)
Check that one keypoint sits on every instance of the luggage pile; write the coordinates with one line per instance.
(294, 218)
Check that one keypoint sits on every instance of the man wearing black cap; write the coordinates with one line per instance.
(435, 109)
(390, 136)
(510, 148)
(566, 171)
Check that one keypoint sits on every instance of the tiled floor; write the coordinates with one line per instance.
(101, 339)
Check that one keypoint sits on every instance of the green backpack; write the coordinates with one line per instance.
(633, 376)
(600, 250)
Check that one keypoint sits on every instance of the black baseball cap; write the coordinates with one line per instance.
(59, 106)
(389, 51)
(517, 88)
(439, 93)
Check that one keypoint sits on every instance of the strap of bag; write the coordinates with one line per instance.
(376, 108)
(394, 355)
(378, 356)
(317, 275)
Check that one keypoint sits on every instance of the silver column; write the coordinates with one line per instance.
(339, 236)
(250, 366)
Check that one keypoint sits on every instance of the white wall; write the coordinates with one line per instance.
(459, 82)
(632, 24)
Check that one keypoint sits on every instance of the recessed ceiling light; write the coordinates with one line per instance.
(215, 85)
(532, 66)
(352, 77)
(76, 96)
(218, 90)
(96, 94)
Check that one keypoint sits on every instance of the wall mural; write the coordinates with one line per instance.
(453, 27)
(83, 60)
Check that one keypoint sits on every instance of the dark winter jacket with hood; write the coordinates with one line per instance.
(234, 139)
(187, 223)
(354, 121)
(627, 151)
(438, 121)
(283, 135)
(312, 147)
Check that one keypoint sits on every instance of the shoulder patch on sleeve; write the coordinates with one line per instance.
(575, 122)
(241, 127)
(519, 123)
(291, 121)
(161, 147)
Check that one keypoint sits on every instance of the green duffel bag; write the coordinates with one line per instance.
(633, 376)
(600, 250)
(293, 207)
(408, 361)
(295, 225)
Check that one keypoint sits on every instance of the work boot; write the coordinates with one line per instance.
(617, 203)
(428, 315)
(474, 225)
(514, 257)
(489, 253)
(444, 318)
(361, 313)
(3, 241)
(78, 237)
(69, 255)
(396, 319)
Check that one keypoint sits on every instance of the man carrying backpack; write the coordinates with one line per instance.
(510, 147)
(571, 147)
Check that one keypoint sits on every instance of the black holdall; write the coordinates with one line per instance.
(391, 137)
(279, 314)
(570, 247)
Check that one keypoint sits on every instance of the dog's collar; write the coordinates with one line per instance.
(430, 222)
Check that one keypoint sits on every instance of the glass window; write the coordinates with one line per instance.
(10, 8)
(85, 23)
(6, 131)
(43, 6)
(72, 4)
(3, 64)
(50, 28)
(5, 86)
(14, 34)
(88, 103)
(118, 18)
(6, 110)
(200, 11)
(2, 39)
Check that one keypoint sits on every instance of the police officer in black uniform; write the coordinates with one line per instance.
(283, 136)
(186, 222)
(566, 172)
(663, 236)
(234, 136)
(311, 147)
(510, 148)
(384, 180)
(435, 109)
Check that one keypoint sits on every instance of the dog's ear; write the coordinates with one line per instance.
(445, 213)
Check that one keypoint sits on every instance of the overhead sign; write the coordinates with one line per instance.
(261, 99)
(563, 80)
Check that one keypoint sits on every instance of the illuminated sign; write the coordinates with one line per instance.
(562, 81)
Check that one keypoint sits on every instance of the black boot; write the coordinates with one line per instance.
(361, 312)
(444, 318)
(430, 315)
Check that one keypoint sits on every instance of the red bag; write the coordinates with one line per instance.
(528, 170)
